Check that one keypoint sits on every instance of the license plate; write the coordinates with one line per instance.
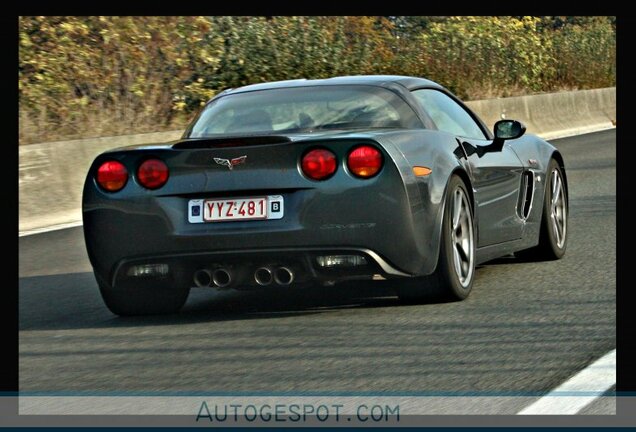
(235, 209)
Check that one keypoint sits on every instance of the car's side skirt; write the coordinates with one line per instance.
(490, 252)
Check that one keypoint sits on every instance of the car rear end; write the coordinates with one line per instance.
(250, 212)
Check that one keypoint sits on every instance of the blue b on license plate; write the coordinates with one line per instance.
(235, 209)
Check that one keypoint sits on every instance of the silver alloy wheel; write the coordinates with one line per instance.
(558, 208)
(462, 237)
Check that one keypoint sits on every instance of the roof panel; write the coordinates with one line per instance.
(379, 80)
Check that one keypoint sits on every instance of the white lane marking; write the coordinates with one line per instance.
(591, 383)
(566, 133)
(50, 228)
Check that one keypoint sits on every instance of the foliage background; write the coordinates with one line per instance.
(95, 76)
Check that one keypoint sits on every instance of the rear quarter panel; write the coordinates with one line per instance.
(426, 194)
(535, 154)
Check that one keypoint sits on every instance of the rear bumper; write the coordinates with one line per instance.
(157, 228)
(241, 266)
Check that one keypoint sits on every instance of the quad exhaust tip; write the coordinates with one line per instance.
(221, 278)
(202, 278)
(263, 276)
(283, 276)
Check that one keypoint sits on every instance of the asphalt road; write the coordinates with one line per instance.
(527, 327)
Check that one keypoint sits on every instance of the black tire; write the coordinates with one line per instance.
(445, 282)
(143, 298)
(550, 246)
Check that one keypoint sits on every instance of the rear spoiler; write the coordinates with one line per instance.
(204, 143)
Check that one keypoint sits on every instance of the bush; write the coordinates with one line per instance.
(89, 76)
(92, 76)
(474, 56)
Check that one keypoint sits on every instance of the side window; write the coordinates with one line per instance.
(447, 114)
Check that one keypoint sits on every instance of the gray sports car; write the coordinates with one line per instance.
(321, 181)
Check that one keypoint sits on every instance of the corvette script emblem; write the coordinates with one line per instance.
(230, 163)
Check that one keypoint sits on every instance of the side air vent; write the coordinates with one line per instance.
(204, 143)
(527, 193)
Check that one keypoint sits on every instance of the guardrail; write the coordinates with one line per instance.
(51, 175)
(554, 115)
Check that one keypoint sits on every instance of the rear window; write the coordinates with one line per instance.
(304, 110)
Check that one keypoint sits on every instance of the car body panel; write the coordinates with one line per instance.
(496, 179)
(393, 219)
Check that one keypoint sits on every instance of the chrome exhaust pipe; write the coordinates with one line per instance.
(221, 278)
(263, 276)
(283, 276)
(202, 278)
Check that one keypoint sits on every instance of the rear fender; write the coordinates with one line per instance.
(426, 194)
(535, 154)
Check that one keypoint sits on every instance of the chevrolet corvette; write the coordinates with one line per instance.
(316, 182)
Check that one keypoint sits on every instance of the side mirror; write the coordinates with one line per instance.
(508, 129)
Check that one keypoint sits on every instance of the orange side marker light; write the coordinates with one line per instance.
(421, 171)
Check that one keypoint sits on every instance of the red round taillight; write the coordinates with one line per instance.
(365, 161)
(112, 176)
(152, 174)
(319, 164)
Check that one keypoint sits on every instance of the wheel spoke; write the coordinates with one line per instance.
(457, 259)
(556, 189)
(461, 248)
(558, 230)
(558, 208)
(457, 204)
(462, 237)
